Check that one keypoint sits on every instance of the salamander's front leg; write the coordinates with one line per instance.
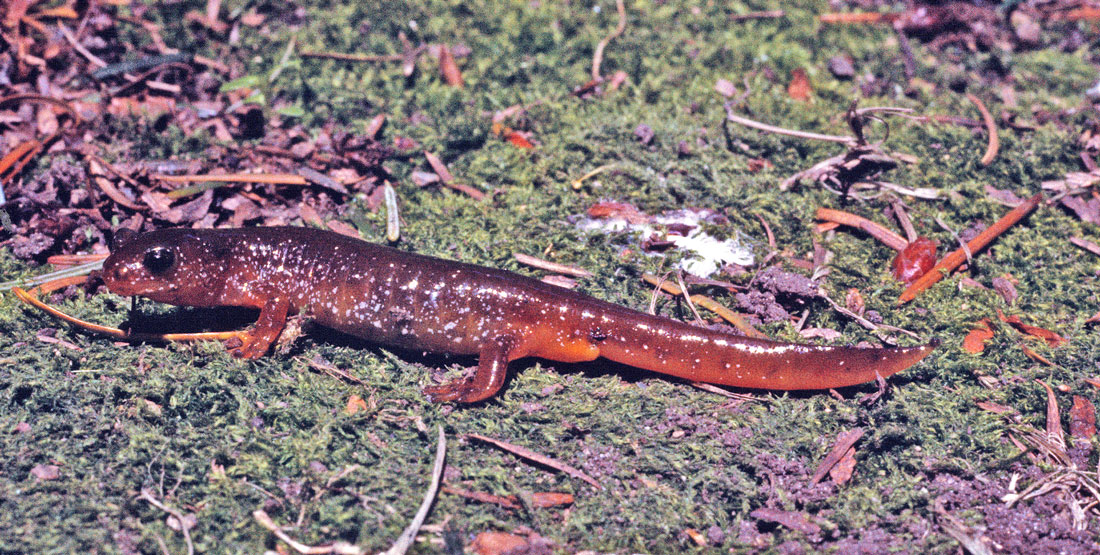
(492, 368)
(270, 324)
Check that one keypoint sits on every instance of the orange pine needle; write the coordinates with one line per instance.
(517, 139)
(990, 126)
(708, 303)
(31, 298)
(74, 259)
(271, 178)
(856, 17)
(18, 157)
(887, 237)
(447, 65)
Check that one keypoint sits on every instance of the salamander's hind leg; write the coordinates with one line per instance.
(270, 324)
(492, 368)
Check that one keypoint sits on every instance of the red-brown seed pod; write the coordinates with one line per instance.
(916, 259)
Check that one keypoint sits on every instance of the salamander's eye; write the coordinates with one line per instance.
(158, 260)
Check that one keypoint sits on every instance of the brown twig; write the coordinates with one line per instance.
(724, 393)
(409, 535)
(95, 170)
(95, 60)
(354, 57)
(867, 323)
(184, 528)
(903, 220)
(789, 132)
(770, 14)
(597, 57)
(64, 260)
(887, 237)
(857, 17)
(482, 497)
(1086, 244)
(683, 289)
(375, 126)
(991, 127)
(448, 179)
(269, 178)
(551, 266)
(538, 499)
(147, 79)
(953, 260)
(1078, 14)
(910, 61)
(962, 244)
(767, 231)
(538, 458)
(844, 441)
(708, 303)
(341, 548)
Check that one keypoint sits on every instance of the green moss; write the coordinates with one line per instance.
(222, 438)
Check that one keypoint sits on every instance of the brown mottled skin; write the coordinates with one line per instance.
(418, 302)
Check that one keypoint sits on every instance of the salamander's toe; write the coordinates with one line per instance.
(458, 391)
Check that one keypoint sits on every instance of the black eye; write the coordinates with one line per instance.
(158, 260)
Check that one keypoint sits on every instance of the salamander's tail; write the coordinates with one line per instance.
(716, 357)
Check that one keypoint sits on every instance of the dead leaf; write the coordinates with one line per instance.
(1052, 339)
(696, 536)
(1082, 418)
(823, 333)
(853, 301)
(995, 408)
(1005, 289)
(355, 404)
(799, 87)
(217, 471)
(518, 139)
(47, 336)
(617, 79)
(842, 472)
(725, 88)
(495, 543)
(447, 65)
(791, 519)
(46, 472)
(1088, 211)
(975, 340)
(560, 281)
(153, 407)
(757, 164)
(845, 440)
(551, 499)
(612, 210)
(189, 522)
(1054, 420)
(1035, 356)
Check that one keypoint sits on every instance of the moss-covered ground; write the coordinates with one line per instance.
(220, 438)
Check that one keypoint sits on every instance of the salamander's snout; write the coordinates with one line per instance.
(119, 276)
(137, 268)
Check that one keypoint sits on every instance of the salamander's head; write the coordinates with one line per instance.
(177, 266)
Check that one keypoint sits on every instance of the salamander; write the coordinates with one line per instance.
(405, 300)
